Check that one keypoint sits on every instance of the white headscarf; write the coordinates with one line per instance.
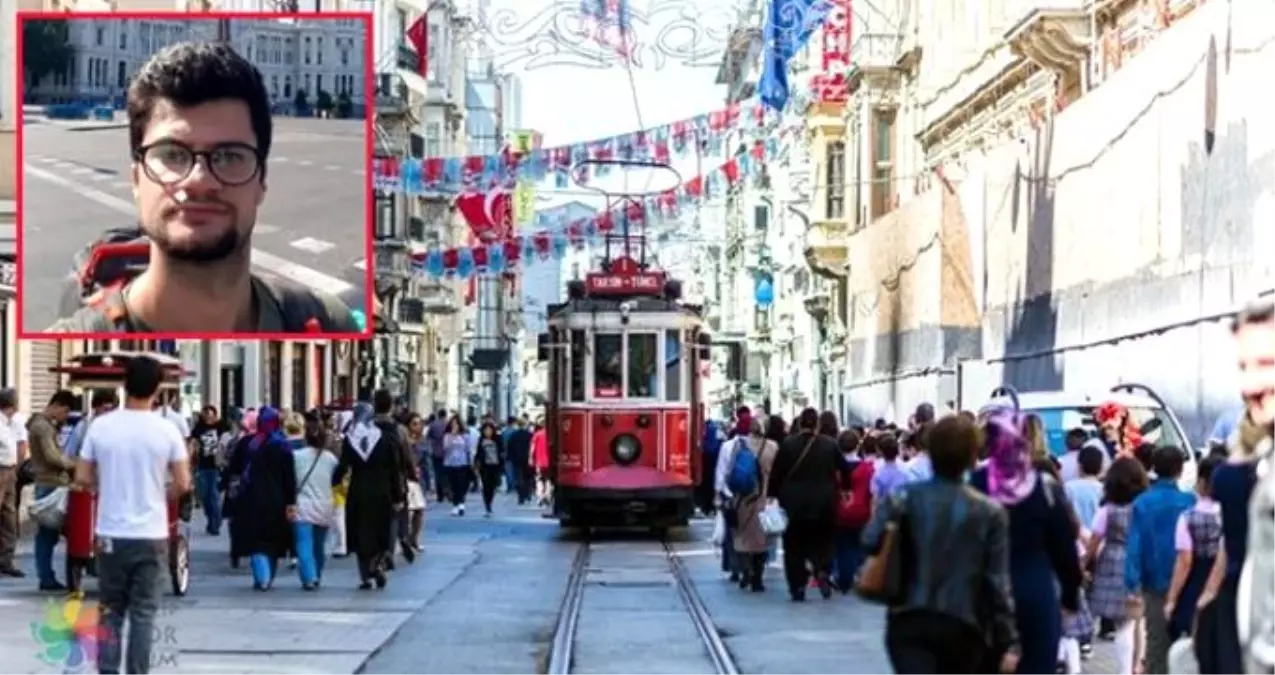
(362, 433)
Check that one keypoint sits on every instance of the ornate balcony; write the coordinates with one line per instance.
(438, 297)
(1055, 39)
(827, 246)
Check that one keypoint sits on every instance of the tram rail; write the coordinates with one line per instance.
(562, 648)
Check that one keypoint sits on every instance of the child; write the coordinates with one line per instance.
(1077, 628)
(1198, 539)
(338, 518)
(1108, 599)
(1085, 494)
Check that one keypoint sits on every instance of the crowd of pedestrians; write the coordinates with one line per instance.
(993, 555)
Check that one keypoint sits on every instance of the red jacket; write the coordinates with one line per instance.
(860, 487)
(540, 450)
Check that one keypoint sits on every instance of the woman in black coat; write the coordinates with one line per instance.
(804, 479)
(371, 454)
(263, 498)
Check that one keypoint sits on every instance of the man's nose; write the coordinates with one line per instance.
(201, 178)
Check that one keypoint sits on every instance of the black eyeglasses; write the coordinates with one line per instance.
(169, 162)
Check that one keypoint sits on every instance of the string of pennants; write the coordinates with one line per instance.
(561, 235)
(481, 173)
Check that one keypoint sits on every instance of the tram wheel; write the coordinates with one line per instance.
(179, 565)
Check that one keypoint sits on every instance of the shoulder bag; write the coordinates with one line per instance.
(880, 579)
(772, 518)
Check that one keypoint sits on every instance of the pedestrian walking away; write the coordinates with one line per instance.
(314, 466)
(137, 462)
(371, 456)
(264, 502)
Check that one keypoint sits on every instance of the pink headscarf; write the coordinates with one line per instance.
(250, 422)
(1010, 474)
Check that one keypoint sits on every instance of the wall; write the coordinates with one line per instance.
(1114, 220)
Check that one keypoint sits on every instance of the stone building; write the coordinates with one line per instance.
(1056, 199)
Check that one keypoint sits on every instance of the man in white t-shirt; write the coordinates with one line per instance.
(129, 456)
(11, 455)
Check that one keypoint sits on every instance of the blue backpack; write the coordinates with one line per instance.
(745, 470)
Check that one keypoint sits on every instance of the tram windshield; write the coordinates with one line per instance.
(608, 365)
(644, 371)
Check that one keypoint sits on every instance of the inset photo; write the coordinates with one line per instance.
(195, 176)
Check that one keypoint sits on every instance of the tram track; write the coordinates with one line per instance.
(586, 596)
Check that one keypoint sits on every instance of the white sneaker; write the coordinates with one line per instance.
(462, 509)
(455, 510)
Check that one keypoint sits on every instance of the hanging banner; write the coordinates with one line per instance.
(524, 141)
(704, 133)
(524, 205)
(554, 236)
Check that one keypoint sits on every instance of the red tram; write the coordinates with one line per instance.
(623, 415)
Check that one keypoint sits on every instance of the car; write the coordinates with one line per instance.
(1062, 411)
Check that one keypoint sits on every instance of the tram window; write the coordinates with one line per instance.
(673, 365)
(579, 359)
(644, 365)
(608, 365)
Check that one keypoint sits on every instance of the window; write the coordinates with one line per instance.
(579, 358)
(761, 218)
(123, 39)
(643, 366)
(882, 163)
(345, 54)
(318, 83)
(835, 190)
(673, 365)
(318, 51)
(434, 139)
(122, 79)
(307, 50)
(101, 36)
(274, 86)
(432, 51)
(287, 86)
(608, 365)
(307, 83)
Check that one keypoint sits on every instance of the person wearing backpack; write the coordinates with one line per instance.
(804, 478)
(855, 508)
(750, 471)
(725, 496)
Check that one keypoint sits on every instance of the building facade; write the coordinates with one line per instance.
(297, 59)
(1048, 198)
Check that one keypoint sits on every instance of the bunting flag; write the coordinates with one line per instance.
(789, 25)
(555, 236)
(484, 173)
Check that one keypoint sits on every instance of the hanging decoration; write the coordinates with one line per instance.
(483, 173)
(554, 235)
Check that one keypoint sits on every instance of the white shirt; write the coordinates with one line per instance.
(178, 420)
(132, 450)
(8, 443)
(314, 497)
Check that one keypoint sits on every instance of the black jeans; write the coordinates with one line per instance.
(926, 642)
(130, 573)
(491, 476)
(808, 548)
(441, 484)
(458, 483)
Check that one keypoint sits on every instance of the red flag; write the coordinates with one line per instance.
(418, 35)
(489, 214)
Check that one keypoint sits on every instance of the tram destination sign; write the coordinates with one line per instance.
(613, 283)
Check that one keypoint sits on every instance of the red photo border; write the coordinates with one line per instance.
(369, 89)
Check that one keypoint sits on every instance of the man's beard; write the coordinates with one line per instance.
(200, 253)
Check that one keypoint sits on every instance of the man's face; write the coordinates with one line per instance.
(198, 218)
(210, 416)
(1255, 347)
(58, 413)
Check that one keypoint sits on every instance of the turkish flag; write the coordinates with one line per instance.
(490, 214)
(418, 35)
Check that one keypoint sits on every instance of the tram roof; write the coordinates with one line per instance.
(637, 305)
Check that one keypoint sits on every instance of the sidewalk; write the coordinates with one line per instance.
(224, 626)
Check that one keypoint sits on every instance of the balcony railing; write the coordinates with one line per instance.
(875, 50)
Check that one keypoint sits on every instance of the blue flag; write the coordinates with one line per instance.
(789, 25)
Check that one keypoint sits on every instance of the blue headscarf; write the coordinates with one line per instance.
(269, 430)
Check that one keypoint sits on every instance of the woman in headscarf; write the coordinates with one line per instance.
(264, 498)
(750, 541)
(1044, 564)
(371, 455)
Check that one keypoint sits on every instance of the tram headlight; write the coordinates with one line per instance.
(626, 448)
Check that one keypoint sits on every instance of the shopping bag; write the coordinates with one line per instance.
(415, 496)
(773, 519)
(50, 510)
(719, 528)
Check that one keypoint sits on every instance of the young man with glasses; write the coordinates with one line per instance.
(200, 133)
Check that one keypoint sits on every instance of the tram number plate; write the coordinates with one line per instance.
(625, 282)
